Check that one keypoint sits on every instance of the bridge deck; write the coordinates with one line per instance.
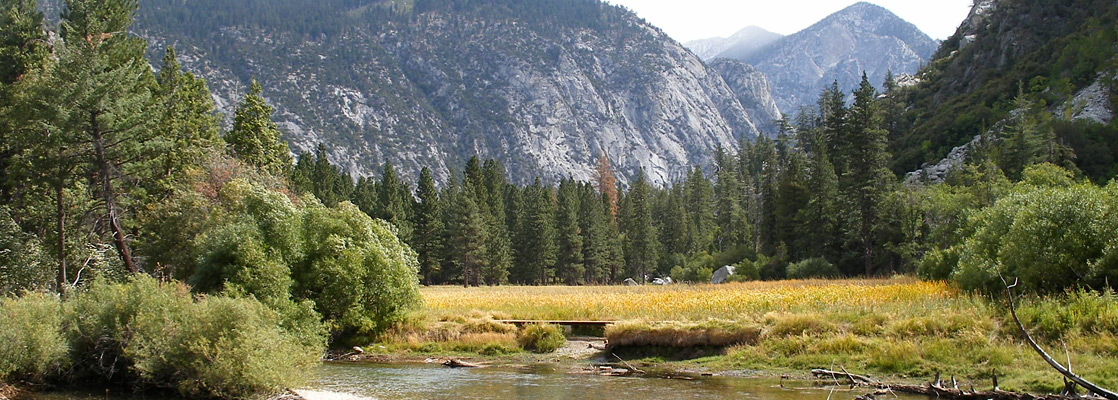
(521, 322)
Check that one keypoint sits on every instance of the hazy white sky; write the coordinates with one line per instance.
(686, 20)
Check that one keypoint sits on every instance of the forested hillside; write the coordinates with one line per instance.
(1053, 60)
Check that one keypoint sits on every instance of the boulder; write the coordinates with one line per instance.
(722, 274)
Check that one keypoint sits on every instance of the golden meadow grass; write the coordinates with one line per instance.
(900, 327)
(747, 300)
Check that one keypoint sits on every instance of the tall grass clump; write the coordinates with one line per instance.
(542, 338)
(681, 334)
(150, 334)
(31, 343)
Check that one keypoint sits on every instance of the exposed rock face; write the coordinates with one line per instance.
(862, 37)
(937, 173)
(753, 92)
(738, 46)
(1093, 104)
(438, 86)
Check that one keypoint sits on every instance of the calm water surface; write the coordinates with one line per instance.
(544, 382)
(426, 381)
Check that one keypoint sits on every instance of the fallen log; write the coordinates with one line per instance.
(456, 363)
(853, 378)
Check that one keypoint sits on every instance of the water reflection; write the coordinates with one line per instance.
(423, 381)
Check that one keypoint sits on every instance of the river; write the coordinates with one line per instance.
(350, 381)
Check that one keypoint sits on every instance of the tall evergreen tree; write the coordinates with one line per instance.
(427, 239)
(188, 125)
(394, 200)
(820, 217)
(538, 250)
(569, 265)
(23, 48)
(468, 238)
(700, 209)
(90, 113)
(499, 247)
(255, 139)
(641, 239)
(868, 178)
(733, 226)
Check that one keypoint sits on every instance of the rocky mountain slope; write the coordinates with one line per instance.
(862, 37)
(1057, 51)
(544, 87)
(738, 46)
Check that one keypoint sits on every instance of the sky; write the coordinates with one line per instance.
(687, 20)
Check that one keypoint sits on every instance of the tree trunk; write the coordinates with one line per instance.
(105, 171)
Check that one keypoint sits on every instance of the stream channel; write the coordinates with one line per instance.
(359, 381)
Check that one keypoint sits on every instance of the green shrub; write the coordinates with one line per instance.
(360, 275)
(542, 338)
(31, 343)
(157, 335)
(1051, 238)
(812, 268)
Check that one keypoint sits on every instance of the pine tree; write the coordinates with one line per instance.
(188, 126)
(468, 238)
(641, 244)
(733, 227)
(499, 255)
(394, 200)
(794, 197)
(700, 209)
(537, 231)
(820, 216)
(255, 139)
(868, 179)
(607, 183)
(569, 266)
(427, 240)
(23, 49)
(90, 112)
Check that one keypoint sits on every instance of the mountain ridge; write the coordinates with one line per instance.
(545, 89)
(862, 37)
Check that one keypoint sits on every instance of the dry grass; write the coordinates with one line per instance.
(900, 327)
(682, 334)
(735, 301)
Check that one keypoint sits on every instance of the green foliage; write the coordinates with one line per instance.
(158, 335)
(361, 277)
(255, 139)
(541, 338)
(23, 265)
(1052, 238)
(32, 346)
(812, 268)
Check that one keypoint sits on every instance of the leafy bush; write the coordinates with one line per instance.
(542, 338)
(1050, 238)
(157, 335)
(812, 268)
(362, 278)
(31, 342)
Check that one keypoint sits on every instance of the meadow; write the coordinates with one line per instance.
(900, 329)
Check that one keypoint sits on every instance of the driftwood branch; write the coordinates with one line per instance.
(1106, 394)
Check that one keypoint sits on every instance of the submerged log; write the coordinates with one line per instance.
(455, 363)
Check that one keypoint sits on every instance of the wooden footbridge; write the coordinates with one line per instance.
(522, 322)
